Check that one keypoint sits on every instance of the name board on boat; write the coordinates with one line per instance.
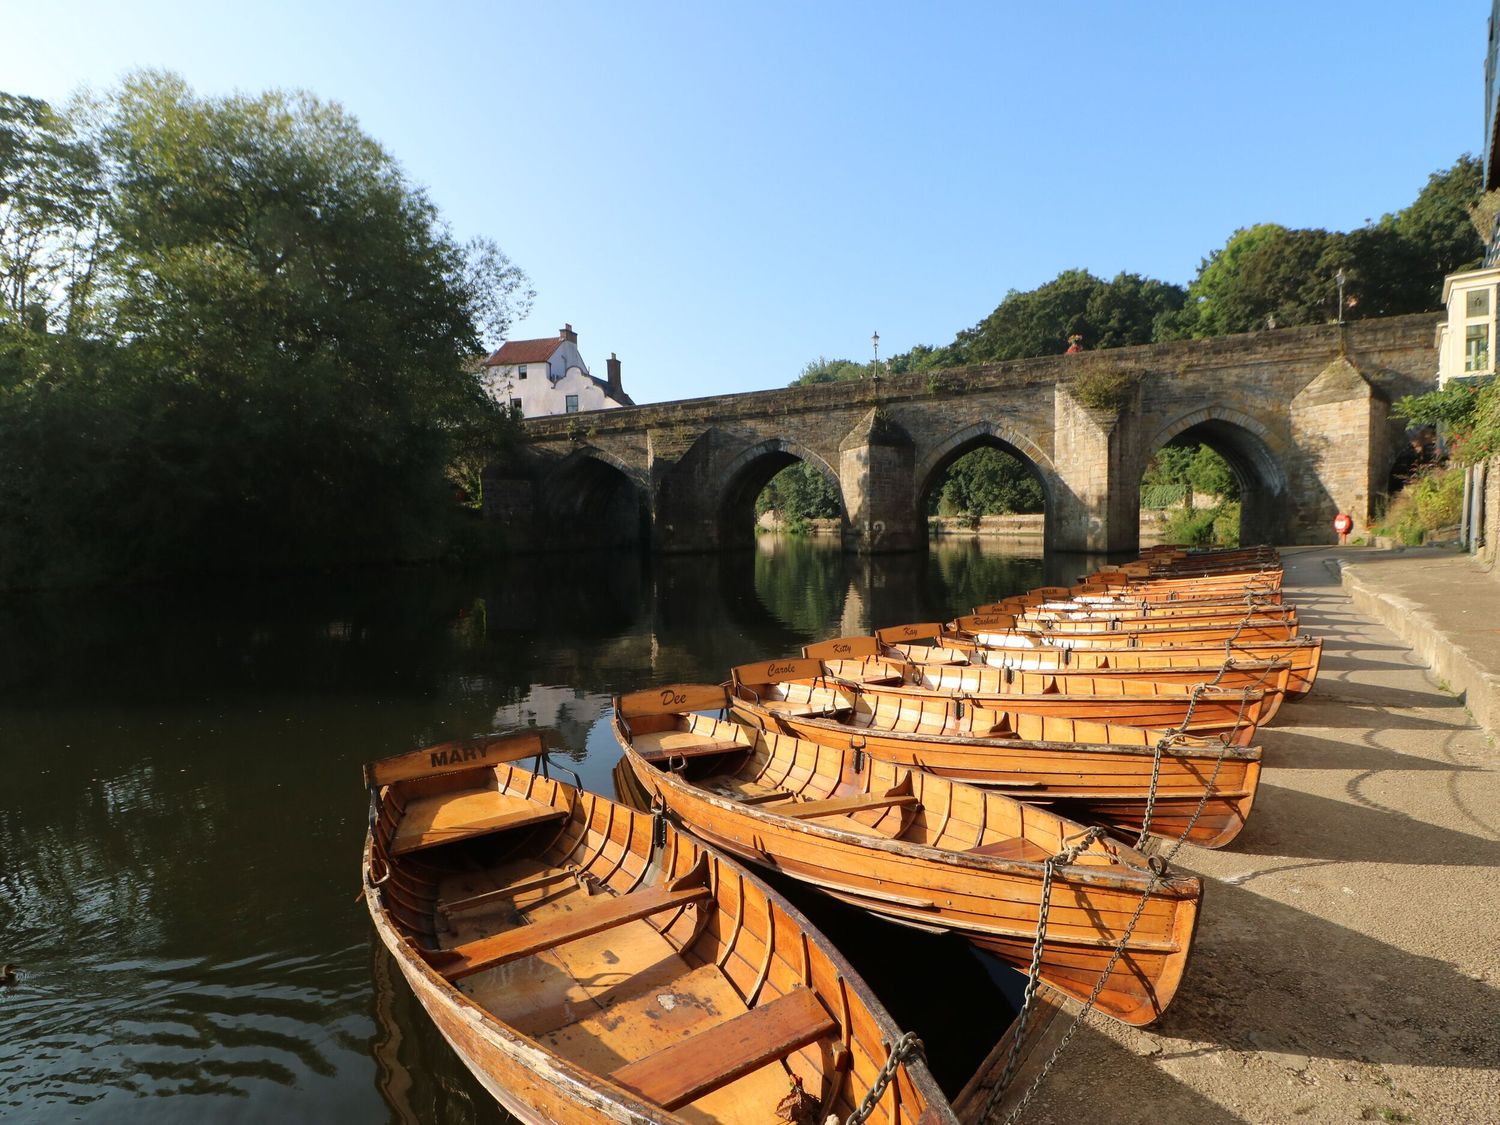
(673, 699)
(979, 622)
(905, 634)
(778, 671)
(843, 648)
(446, 757)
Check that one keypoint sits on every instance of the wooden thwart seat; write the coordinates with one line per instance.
(840, 806)
(676, 1075)
(459, 814)
(598, 914)
(692, 750)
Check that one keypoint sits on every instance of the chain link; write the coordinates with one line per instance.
(908, 1046)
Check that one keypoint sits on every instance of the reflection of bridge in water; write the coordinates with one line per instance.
(1301, 415)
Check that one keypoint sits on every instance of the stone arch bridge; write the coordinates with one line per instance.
(1302, 415)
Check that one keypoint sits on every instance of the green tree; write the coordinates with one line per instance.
(1269, 273)
(276, 376)
(987, 482)
(797, 494)
(824, 370)
(1106, 314)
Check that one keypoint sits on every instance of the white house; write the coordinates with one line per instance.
(1466, 339)
(548, 376)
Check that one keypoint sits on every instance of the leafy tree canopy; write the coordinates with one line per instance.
(824, 370)
(253, 342)
(1106, 314)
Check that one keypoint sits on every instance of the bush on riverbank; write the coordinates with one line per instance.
(1427, 505)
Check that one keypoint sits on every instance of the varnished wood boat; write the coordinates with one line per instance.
(1233, 714)
(587, 969)
(1002, 631)
(917, 848)
(1122, 610)
(1303, 653)
(1212, 625)
(1023, 677)
(1205, 788)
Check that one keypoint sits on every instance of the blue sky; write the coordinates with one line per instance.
(722, 194)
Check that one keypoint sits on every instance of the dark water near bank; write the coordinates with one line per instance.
(181, 812)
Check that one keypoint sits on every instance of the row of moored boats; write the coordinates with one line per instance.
(1021, 776)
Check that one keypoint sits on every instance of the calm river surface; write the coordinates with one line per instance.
(181, 812)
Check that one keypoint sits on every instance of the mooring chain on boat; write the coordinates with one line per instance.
(1155, 872)
(908, 1046)
(1156, 752)
(1034, 973)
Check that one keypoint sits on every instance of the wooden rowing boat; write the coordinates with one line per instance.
(1204, 789)
(918, 849)
(1001, 631)
(587, 969)
(1198, 710)
(1023, 677)
(1140, 614)
(1304, 654)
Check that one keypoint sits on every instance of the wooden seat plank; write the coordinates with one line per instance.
(589, 918)
(838, 806)
(690, 1068)
(692, 750)
(457, 815)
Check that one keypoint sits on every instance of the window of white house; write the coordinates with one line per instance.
(1477, 347)
(570, 404)
(521, 372)
(515, 404)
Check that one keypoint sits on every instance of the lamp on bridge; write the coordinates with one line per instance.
(875, 344)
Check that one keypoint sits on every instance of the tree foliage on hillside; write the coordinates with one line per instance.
(234, 335)
(1264, 274)
(1106, 314)
(824, 370)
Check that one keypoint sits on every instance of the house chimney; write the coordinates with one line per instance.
(613, 367)
(568, 334)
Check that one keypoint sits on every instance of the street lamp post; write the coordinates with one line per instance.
(1339, 277)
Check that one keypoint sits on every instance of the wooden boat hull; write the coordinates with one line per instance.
(1103, 783)
(981, 681)
(1304, 655)
(1130, 638)
(578, 1028)
(992, 901)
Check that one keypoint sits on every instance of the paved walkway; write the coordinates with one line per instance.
(1347, 963)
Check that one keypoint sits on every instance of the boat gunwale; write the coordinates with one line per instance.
(1132, 877)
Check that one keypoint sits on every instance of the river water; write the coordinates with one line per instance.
(181, 812)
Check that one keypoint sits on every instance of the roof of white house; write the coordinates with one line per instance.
(524, 351)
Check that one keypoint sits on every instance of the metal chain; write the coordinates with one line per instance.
(1034, 974)
(908, 1046)
(1114, 959)
(1161, 744)
(1153, 880)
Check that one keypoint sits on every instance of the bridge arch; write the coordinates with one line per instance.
(748, 473)
(996, 436)
(1249, 447)
(594, 498)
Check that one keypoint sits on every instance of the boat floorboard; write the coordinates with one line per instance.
(668, 1014)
